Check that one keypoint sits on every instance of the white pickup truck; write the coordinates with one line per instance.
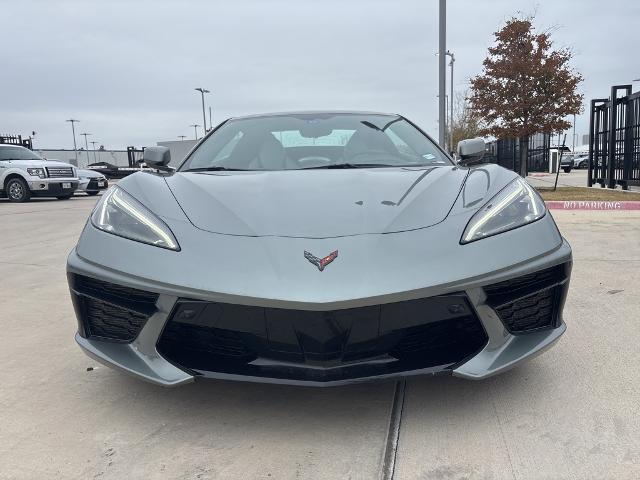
(23, 175)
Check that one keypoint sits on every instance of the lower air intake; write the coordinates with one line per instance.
(531, 302)
(108, 311)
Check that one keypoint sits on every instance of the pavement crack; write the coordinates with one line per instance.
(393, 432)
(504, 440)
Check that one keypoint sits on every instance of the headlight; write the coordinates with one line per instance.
(37, 172)
(515, 205)
(121, 214)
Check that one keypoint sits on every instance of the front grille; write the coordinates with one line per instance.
(322, 345)
(109, 311)
(60, 172)
(531, 302)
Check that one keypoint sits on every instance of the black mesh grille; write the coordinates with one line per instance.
(322, 345)
(530, 302)
(530, 313)
(110, 311)
(109, 321)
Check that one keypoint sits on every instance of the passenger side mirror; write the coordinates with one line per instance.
(471, 151)
(157, 157)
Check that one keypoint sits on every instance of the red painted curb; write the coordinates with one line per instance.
(592, 205)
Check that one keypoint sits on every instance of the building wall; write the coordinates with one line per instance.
(116, 157)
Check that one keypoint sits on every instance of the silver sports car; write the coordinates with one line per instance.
(318, 248)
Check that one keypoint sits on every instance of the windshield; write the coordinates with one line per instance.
(17, 153)
(319, 140)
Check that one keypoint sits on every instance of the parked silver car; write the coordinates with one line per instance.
(91, 182)
(319, 248)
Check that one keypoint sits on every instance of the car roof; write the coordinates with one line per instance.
(313, 112)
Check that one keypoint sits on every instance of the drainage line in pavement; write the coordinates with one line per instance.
(393, 434)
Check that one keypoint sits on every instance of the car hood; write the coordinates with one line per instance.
(37, 163)
(317, 203)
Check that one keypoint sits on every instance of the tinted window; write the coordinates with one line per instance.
(298, 141)
(17, 153)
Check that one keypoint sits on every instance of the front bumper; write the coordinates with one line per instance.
(53, 187)
(146, 357)
(92, 185)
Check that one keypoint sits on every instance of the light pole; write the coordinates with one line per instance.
(75, 148)
(210, 122)
(453, 59)
(573, 148)
(195, 129)
(442, 75)
(86, 144)
(182, 137)
(93, 144)
(204, 116)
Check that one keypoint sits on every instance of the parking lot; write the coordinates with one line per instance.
(571, 413)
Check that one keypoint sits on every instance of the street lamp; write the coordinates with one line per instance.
(442, 75)
(195, 129)
(75, 148)
(86, 145)
(93, 144)
(182, 137)
(204, 116)
(453, 59)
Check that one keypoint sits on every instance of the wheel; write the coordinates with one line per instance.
(566, 169)
(92, 193)
(64, 197)
(18, 190)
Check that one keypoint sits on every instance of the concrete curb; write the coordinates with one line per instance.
(593, 205)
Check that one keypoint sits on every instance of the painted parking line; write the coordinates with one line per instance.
(592, 205)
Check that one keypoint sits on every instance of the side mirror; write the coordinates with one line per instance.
(157, 157)
(471, 151)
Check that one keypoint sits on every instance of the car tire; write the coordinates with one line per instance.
(17, 190)
(92, 194)
(567, 169)
(64, 197)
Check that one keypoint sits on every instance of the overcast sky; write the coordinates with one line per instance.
(127, 69)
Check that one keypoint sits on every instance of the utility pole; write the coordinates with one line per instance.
(442, 75)
(86, 145)
(93, 144)
(195, 129)
(75, 148)
(453, 59)
(204, 116)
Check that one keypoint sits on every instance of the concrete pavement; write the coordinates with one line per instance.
(570, 413)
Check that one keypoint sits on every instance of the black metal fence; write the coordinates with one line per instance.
(16, 140)
(614, 139)
(506, 153)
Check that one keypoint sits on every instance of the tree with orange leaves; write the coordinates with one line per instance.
(526, 86)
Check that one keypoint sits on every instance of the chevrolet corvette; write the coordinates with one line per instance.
(318, 248)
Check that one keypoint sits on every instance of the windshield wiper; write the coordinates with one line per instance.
(216, 169)
(338, 166)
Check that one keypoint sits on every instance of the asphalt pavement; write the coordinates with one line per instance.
(571, 413)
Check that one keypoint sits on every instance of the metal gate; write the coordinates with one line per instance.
(506, 153)
(614, 139)
(16, 140)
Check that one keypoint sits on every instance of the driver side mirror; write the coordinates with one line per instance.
(157, 157)
(471, 151)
